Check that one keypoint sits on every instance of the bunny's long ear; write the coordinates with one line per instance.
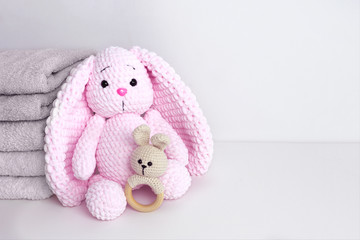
(64, 127)
(178, 106)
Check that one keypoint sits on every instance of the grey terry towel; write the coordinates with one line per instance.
(36, 71)
(22, 163)
(32, 188)
(22, 136)
(27, 106)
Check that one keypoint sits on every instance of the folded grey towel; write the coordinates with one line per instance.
(24, 164)
(22, 136)
(32, 188)
(36, 71)
(26, 106)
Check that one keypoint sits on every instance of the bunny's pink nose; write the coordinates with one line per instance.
(122, 91)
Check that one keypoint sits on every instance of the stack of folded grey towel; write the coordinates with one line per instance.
(29, 82)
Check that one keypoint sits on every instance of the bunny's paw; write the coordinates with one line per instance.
(176, 180)
(105, 199)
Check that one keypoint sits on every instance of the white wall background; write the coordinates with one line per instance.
(261, 70)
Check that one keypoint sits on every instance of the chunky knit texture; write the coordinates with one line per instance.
(148, 154)
(105, 199)
(148, 161)
(127, 89)
(67, 120)
(178, 106)
(154, 183)
(84, 161)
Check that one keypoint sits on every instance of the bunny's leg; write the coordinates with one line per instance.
(176, 150)
(176, 180)
(105, 199)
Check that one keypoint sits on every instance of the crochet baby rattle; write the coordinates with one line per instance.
(149, 162)
(89, 138)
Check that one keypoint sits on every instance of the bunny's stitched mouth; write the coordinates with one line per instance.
(143, 168)
(123, 106)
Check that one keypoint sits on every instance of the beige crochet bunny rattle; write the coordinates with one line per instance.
(149, 162)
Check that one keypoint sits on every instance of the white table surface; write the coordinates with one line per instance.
(252, 191)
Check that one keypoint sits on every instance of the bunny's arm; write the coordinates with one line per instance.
(83, 161)
(176, 150)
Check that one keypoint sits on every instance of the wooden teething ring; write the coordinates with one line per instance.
(140, 207)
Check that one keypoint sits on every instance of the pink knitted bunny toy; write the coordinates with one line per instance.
(120, 88)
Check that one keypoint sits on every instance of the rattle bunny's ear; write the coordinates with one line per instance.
(160, 141)
(141, 135)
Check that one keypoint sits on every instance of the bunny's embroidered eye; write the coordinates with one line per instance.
(104, 68)
(149, 164)
(133, 82)
(104, 83)
(139, 161)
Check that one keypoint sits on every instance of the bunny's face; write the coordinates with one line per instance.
(149, 161)
(119, 84)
